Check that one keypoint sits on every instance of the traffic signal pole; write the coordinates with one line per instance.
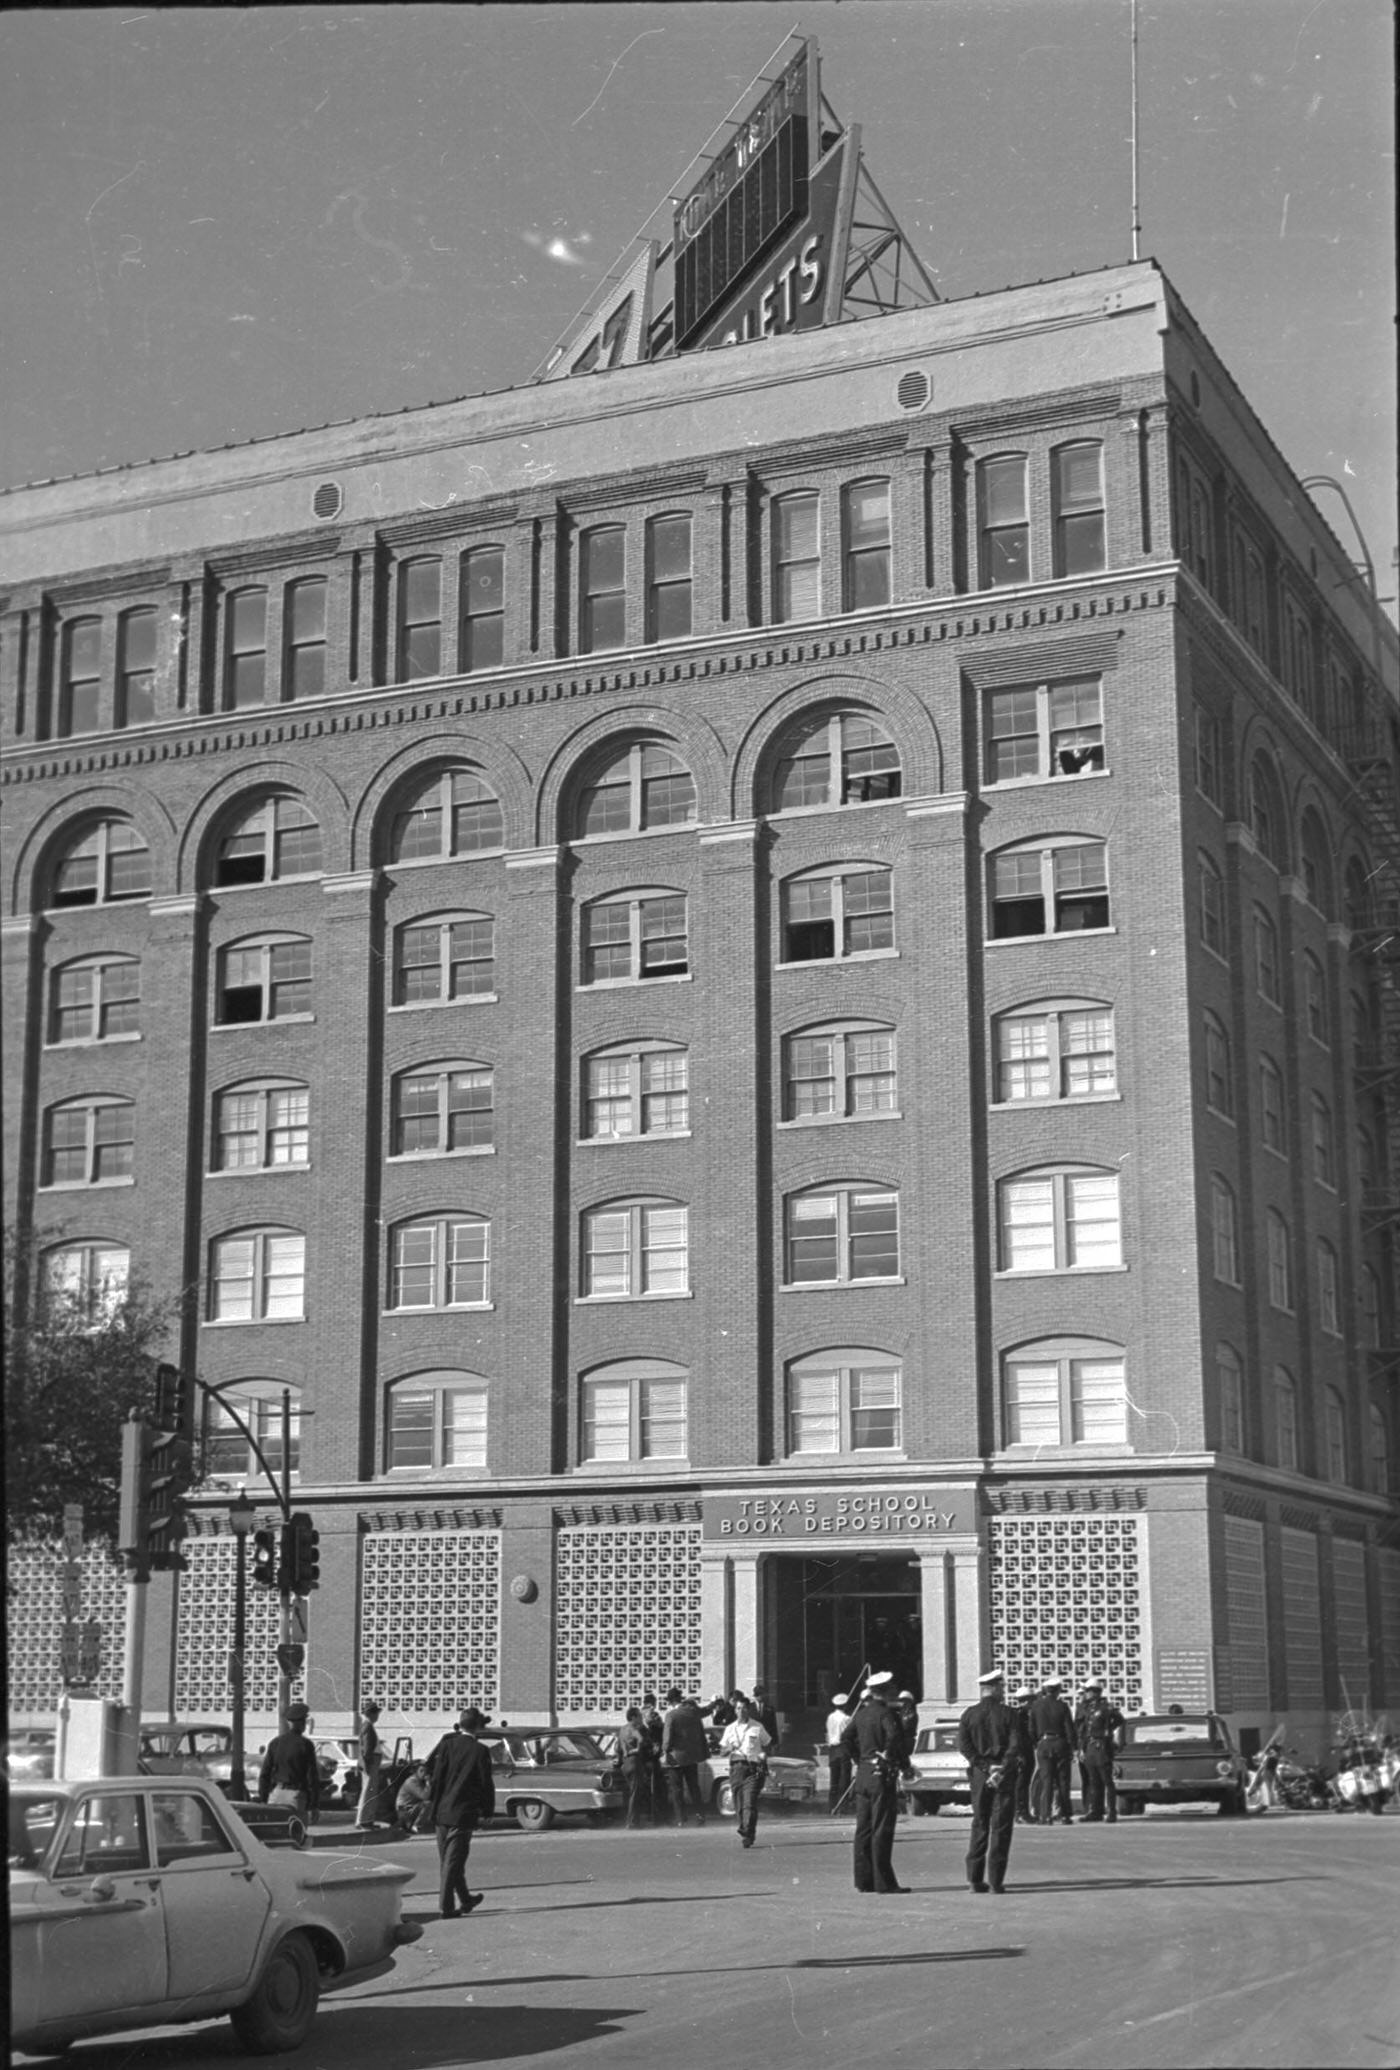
(137, 1584)
(284, 1615)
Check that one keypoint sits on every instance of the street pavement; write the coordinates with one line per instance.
(1172, 1940)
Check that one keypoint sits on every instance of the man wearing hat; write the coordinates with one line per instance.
(1021, 1704)
(838, 1780)
(992, 1741)
(1053, 1736)
(874, 1741)
(460, 1792)
(1101, 1725)
(290, 1773)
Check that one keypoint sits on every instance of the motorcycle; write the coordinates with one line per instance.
(1304, 1786)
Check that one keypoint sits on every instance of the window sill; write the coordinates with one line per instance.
(1038, 782)
(1219, 1114)
(285, 1020)
(802, 1462)
(652, 1135)
(436, 1156)
(861, 956)
(433, 1473)
(1216, 955)
(430, 862)
(599, 1468)
(253, 1322)
(679, 977)
(612, 1300)
(1273, 1150)
(259, 1171)
(1113, 1099)
(848, 805)
(86, 1185)
(842, 1286)
(447, 1308)
(437, 1005)
(1058, 1271)
(840, 1120)
(1068, 934)
(1110, 1449)
(263, 884)
(681, 826)
(95, 1041)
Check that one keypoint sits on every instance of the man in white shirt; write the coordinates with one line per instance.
(838, 1760)
(746, 1742)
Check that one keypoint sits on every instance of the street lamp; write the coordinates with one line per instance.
(242, 1514)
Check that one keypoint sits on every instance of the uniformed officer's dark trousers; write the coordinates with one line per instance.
(1100, 1791)
(746, 1787)
(454, 1845)
(683, 1786)
(839, 1778)
(877, 1807)
(1050, 1790)
(993, 1821)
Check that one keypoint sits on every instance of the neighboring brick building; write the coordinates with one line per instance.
(757, 977)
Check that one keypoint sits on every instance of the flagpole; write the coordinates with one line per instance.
(1137, 220)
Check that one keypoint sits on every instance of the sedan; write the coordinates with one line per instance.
(789, 1780)
(939, 1770)
(141, 1900)
(541, 1775)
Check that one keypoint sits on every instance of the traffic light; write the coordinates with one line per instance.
(174, 1410)
(300, 1568)
(265, 1559)
(135, 1489)
(171, 1462)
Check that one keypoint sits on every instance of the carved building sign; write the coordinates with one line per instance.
(815, 1517)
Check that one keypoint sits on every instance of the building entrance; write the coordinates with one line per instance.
(829, 1619)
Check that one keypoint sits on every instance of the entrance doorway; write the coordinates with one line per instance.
(830, 1619)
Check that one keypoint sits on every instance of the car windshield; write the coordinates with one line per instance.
(32, 1821)
(1170, 1731)
(210, 1739)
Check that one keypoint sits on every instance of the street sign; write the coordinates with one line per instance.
(73, 1529)
(70, 1589)
(291, 1659)
(80, 1653)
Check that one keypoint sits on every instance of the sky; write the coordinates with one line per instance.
(225, 223)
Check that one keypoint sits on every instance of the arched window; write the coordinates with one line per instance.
(436, 1422)
(1286, 1419)
(228, 1455)
(136, 667)
(633, 1249)
(634, 936)
(846, 1401)
(445, 958)
(1060, 1219)
(841, 758)
(263, 1126)
(1378, 1461)
(645, 786)
(1229, 1381)
(841, 1233)
(1266, 817)
(1335, 1426)
(86, 1281)
(1278, 1243)
(96, 999)
(1225, 1231)
(276, 838)
(442, 1108)
(1329, 1300)
(633, 1410)
(452, 812)
(845, 1072)
(1065, 1391)
(1049, 887)
(836, 912)
(440, 1261)
(107, 863)
(636, 1089)
(1273, 1114)
(1078, 503)
(258, 1275)
(1316, 857)
(1055, 1050)
(263, 980)
(89, 1142)
(1220, 1072)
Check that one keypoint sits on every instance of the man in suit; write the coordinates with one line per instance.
(874, 1741)
(460, 1793)
(992, 1740)
(290, 1772)
(684, 1748)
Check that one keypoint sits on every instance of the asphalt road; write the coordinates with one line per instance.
(1172, 1940)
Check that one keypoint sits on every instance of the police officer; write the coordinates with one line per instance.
(874, 1741)
(1021, 1703)
(1053, 1736)
(992, 1740)
(1101, 1727)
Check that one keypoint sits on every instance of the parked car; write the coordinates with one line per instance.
(1180, 1758)
(940, 1772)
(545, 1773)
(181, 1749)
(141, 1900)
(339, 1763)
(790, 1780)
(29, 1754)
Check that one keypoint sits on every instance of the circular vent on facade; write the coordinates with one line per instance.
(914, 390)
(327, 500)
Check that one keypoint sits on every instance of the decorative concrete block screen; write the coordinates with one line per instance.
(204, 1637)
(35, 1619)
(627, 1615)
(1067, 1599)
(430, 1620)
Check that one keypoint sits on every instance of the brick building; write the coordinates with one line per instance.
(761, 980)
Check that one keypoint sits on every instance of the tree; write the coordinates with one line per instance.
(76, 1363)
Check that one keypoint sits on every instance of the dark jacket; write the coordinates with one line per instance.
(768, 1719)
(874, 1739)
(635, 1748)
(683, 1741)
(460, 1785)
(991, 1734)
(1101, 1726)
(290, 1764)
(1051, 1718)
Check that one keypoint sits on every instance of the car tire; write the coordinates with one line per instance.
(533, 1817)
(282, 2009)
(724, 1800)
(1131, 1807)
(1232, 1804)
(298, 1834)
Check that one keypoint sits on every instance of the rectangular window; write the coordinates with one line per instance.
(1098, 1401)
(441, 1111)
(639, 1094)
(445, 960)
(1323, 1142)
(1066, 1055)
(1220, 1092)
(420, 620)
(271, 982)
(1208, 765)
(1212, 906)
(844, 1409)
(1328, 1302)
(441, 1264)
(1286, 1424)
(1077, 488)
(1060, 1222)
(1033, 1403)
(80, 685)
(483, 635)
(136, 669)
(245, 653)
(259, 1277)
(438, 1427)
(1280, 1250)
(603, 573)
(1046, 1397)
(1225, 1233)
(258, 1129)
(96, 1002)
(1044, 730)
(634, 1419)
(842, 1235)
(1272, 1126)
(634, 939)
(633, 1251)
(306, 638)
(1005, 527)
(668, 578)
(797, 589)
(865, 521)
(1070, 883)
(844, 915)
(849, 1074)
